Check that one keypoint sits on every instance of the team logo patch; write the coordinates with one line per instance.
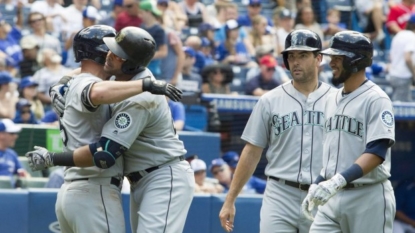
(387, 118)
(122, 120)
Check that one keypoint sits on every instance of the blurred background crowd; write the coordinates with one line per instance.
(204, 47)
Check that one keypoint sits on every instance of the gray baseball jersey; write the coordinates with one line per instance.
(352, 121)
(291, 125)
(160, 200)
(93, 200)
(81, 126)
(143, 123)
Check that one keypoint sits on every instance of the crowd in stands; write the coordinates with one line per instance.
(203, 46)
(199, 43)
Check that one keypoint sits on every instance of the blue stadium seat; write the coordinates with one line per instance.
(8, 11)
(196, 118)
(239, 79)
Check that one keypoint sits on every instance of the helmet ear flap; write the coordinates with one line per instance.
(285, 58)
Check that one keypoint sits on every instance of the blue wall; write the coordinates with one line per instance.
(33, 211)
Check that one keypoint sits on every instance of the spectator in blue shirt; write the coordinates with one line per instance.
(24, 114)
(150, 15)
(232, 51)
(264, 81)
(9, 163)
(206, 50)
(178, 113)
(232, 158)
(405, 207)
(222, 172)
(195, 43)
(9, 43)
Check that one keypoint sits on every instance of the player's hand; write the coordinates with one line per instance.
(39, 159)
(227, 215)
(307, 206)
(57, 93)
(326, 189)
(159, 87)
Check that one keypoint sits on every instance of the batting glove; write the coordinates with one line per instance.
(40, 159)
(307, 206)
(158, 87)
(326, 189)
(57, 94)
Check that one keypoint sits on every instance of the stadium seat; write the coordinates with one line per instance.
(25, 164)
(196, 117)
(5, 182)
(8, 12)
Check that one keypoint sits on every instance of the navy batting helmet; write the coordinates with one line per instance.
(88, 43)
(357, 49)
(135, 45)
(301, 39)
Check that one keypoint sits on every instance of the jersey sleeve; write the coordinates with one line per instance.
(257, 129)
(381, 121)
(80, 89)
(127, 122)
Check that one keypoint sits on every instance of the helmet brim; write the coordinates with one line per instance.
(114, 47)
(337, 52)
(300, 48)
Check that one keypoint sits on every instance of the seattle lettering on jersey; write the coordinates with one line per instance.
(345, 123)
(286, 122)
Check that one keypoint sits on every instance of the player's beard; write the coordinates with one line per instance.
(344, 75)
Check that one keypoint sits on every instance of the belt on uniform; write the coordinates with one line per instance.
(302, 187)
(352, 186)
(134, 177)
(114, 181)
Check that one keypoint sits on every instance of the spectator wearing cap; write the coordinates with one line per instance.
(221, 171)
(28, 66)
(173, 17)
(8, 99)
(206, 50)
(220, 33)
(195, 12)
(264, 81)
(37, 23)
(280, 75)
(195, 43)
(24, 114)
(150, 16)
(191, 81)
(51, 72)
(216, 79)
(28, 90)
(402, 60)
(207, 31)
(232, 51)
(284, 24)
(110, 18)
(254, 9)
(128, 17)
(90, 16)
(398, 16)
(232, 158)
(171, 66)
(9, 44)
(201, 184)
(9, 162)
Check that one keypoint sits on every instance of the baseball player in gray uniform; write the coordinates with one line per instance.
(162, 183)
(93, 190)
(289, 121)
(352, 192)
